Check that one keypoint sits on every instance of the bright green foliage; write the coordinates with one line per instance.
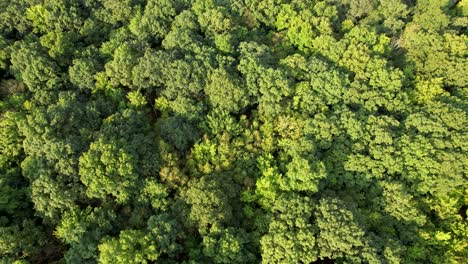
(82, 231)
(264, 11)
(155, 194)
(437, 56)
(136, 246)
(302, 26)
(291, 236)
(220, 131)
(318, 85)
(115, 175)
(136, 99)
(61, 45)
(400, 204)
(121, 157)
(132, 246)
(428, 90)
(430, 15)
(50, 15)
(301, 176)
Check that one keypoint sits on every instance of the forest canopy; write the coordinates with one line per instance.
(233, 131)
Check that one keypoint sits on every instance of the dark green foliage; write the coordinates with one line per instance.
(35, 68)
(218, 131)
(12, 16)
(154, 23)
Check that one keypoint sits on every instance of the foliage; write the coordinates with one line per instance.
(217, 131)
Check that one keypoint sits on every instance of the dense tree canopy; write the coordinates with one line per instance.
(216, 131)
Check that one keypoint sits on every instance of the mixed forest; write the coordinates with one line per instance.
(233, 131)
